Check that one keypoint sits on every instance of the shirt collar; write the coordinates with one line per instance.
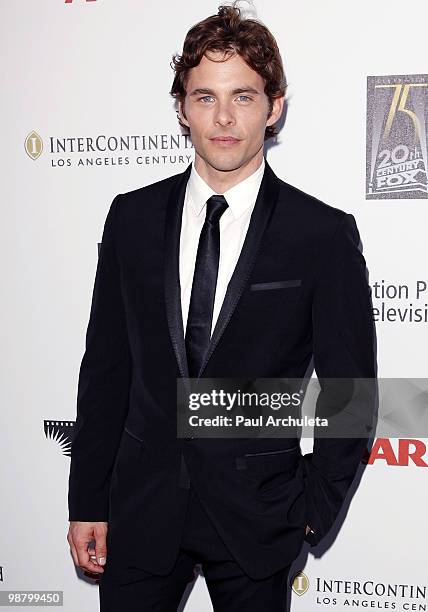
(239, 197)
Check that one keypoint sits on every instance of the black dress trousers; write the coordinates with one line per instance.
(230, 589)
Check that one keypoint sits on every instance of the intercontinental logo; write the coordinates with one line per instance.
(369, 594)
(396, 163)
(300, 584)
(344, 594)
(33, 145)
(110, 149)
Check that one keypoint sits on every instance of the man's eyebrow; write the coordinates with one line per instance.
(207, 90)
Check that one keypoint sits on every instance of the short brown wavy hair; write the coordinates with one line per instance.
(229, 32)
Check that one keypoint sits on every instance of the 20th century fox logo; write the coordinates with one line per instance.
(397, 119)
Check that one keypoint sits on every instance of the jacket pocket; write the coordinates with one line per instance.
(263, 459)
(130, 433)
(270, 471)
(284, 284)
(274, 452)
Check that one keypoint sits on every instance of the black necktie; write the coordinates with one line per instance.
(199, 319)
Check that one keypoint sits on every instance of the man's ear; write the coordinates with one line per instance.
(181, 113)
(276, 112)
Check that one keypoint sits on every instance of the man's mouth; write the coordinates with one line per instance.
(224, 140)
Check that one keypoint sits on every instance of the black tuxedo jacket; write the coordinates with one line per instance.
(128, 466)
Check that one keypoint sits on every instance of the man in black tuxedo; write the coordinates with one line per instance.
(223, 270)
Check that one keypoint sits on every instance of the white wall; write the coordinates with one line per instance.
(84, 69)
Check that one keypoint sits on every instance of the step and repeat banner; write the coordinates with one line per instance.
(86, 114)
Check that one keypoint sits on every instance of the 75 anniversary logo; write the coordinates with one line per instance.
(397, 118)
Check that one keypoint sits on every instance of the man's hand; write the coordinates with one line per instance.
(79, 536)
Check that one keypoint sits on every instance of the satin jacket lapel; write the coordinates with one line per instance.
(172, 271)
(265, 203)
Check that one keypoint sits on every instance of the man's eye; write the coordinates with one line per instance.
(244, 96)
(204, 97)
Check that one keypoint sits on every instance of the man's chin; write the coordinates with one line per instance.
(224, 163)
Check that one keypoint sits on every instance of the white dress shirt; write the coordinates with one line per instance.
(234, 223)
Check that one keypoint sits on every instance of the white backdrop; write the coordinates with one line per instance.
(101, 69)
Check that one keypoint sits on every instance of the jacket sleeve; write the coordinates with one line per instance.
(103, 387)
(343, 348)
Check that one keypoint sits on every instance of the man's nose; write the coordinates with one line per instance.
(224, 114)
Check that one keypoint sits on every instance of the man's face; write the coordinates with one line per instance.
(226, 111)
